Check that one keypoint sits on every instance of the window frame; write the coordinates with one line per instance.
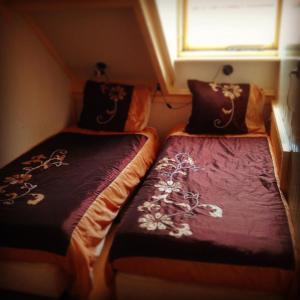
(247, 50)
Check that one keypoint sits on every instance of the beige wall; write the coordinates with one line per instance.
(34, 92)
(83, 37)
(165, 119)
(260, 72)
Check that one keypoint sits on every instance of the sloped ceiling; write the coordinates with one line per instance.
(83, 37)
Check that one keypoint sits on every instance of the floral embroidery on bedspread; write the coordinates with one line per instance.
(17, 186)
(155, 217)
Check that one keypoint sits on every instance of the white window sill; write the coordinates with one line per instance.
(267, 55)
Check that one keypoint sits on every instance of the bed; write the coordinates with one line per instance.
(58, 201)
(209, 221)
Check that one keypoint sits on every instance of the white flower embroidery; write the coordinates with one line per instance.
(168, 186)
(117, 93)
(17, 178)
(164, 163)
(190, 161)
(148, 206)
(21, 181)
(161, 166)
(214, 86)
(184, 229)
(156, 221)
(231, 91)
(215, 211)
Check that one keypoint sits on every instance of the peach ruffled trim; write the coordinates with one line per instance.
(254, 115)
(139, 110)
(179, 130)
(96, 221)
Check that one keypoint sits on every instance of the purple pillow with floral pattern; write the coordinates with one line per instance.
(218, 108)
(105, 106)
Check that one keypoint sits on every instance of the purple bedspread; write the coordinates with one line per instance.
(45, 192)
(209, 199)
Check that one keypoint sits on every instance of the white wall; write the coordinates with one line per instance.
(34, 92)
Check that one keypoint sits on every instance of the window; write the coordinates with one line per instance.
(229, 25)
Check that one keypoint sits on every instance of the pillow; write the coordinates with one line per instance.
(225, 108)
(115, 107)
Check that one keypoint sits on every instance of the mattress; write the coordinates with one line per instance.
(41, 278)
(210, 214)
(59, 199)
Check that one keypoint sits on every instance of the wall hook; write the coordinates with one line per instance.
(227, 70)
(101, 71)
(101, 67)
